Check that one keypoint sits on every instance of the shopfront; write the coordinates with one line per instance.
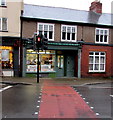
(6, 60)
(60, 63)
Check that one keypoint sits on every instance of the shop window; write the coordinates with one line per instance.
(47, 30)
(97, 61)
(6, 57)
(46, 61)
(68, 33)
(102, 35)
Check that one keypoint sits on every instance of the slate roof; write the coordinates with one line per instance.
(66, 14)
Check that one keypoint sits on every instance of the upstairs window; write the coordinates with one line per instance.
(47, 30)
(3, 24)
(68, 33)
(102, 35)
(2, 2)
(97, 61)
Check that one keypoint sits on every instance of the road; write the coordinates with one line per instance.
(20, 101)
(99, 97)
(23, 101)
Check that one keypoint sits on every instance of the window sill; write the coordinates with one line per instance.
(96, 72)
(4, 6)
(3, 30)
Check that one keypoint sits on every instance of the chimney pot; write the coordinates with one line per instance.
(96, 7)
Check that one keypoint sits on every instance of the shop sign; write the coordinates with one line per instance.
(31, 68)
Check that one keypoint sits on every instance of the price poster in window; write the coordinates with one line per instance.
(5, 55)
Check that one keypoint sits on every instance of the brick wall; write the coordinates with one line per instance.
(85, 61)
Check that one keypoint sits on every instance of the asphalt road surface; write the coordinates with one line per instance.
(99, 97)
(20, 101)
(23, 101)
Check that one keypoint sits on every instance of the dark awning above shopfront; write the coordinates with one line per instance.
(63, 46)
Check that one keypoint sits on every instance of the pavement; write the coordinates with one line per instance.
(58, 98)
(69, 81)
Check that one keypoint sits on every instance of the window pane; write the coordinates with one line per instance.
(96, 53)
(106, 32)
(91, 59)
(64, 29)
(45, 27)
(101, 38)
(105, 38)
(40, 32)
(97, 38)
(73, 36)
(96, 67)
(68, 36)
(50, 27)
(63, 35)
(91, 67)
(101, 32)
(97, 32)
(50, 34)
(4, 24)
(96, 59)
(73, 29)
(102, 53)
(102, 60)
(69, 29)
(40, 27)
(45, 34)
(102, 67)
(91, 53)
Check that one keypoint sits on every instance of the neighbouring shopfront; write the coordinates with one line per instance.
(9, 56)
(6, 60)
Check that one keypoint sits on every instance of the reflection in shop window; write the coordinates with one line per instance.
(46, 61)
(60, 61)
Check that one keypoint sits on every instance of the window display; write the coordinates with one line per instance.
(6, 57)
(46, 61)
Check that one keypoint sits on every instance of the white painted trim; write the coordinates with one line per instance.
(38, 23)
(103, 38)
(5, 88)
(71, 32)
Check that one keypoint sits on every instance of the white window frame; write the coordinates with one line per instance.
(2, 1)
(98, 63)
(1, 29)
(47, 31)
(66, 40)
(102, 29)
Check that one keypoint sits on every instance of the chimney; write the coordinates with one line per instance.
(96, 7)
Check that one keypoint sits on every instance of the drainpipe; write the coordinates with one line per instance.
(79, 63)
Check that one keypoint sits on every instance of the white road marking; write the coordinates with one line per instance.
(5, 88)
(36, 113)
(92, 107)
(111, 95)
(97, 114)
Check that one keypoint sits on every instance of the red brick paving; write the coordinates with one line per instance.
(61, 101)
